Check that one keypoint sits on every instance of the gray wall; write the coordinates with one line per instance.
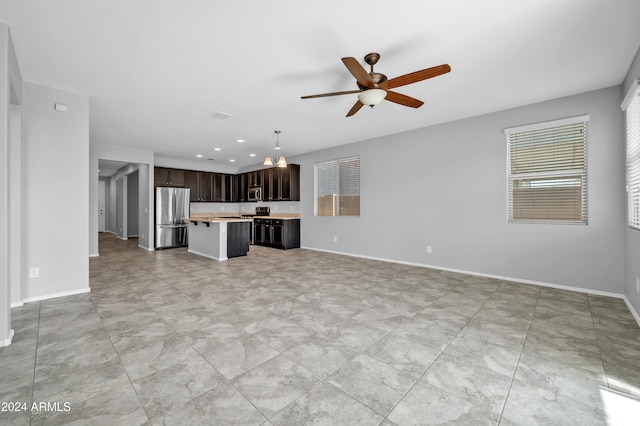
(11, 247)
(121, 207)
(632, 236)
(445, 186)
(132, 205)
(57, 192)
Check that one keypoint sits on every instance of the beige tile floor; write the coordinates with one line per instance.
(300, 337)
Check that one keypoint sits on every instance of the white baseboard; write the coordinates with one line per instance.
(633, 311)
(17, 304)
(121, 238)
(480, 274)
(8, 340)
(207, 255)
(94, 254)
(146, 248)
(54, 295)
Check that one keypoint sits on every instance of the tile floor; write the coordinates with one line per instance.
(302, 337)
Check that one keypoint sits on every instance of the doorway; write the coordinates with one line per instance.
(101, 205)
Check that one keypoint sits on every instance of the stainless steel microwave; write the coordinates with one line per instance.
(255, 193)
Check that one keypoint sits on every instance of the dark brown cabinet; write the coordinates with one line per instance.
(241, 186)
(237, 238)
(200, 184)
(163, 176)
(222, 187)
(254, 178)
(277, 233)
(282, 183)
(278, 184)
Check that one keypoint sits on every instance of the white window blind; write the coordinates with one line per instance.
(547, 172)
(631, 106)
(338, 187)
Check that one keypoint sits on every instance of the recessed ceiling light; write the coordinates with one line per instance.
(199, 155)
(217, 149)
(241, 140)
(232, 161)
(252, 155)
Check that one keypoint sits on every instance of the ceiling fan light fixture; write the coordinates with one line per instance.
(372, 97)
(268, 161)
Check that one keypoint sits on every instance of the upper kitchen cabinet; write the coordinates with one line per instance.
(163, 176)
(223, 187)
(241, 181)
(201, 185)
(255, 178)
(290, 183)
(281, 183)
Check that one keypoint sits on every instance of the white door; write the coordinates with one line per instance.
(101, 195)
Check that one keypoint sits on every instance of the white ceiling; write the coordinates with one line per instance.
(157, 71)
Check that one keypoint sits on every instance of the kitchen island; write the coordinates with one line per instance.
(219, 238)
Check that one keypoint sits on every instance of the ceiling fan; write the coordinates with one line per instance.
(374, 86)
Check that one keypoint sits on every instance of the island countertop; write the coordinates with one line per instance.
(218, 219)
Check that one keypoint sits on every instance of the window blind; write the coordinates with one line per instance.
(547, 172)
(631, 105)
(338, 187)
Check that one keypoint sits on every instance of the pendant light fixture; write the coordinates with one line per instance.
(277, 160)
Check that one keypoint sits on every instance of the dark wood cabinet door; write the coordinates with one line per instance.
(205, 185)
(267, 187)
(242, 186)
(255, 178)
(176, 177)
(160, 176)
(294, 182)
(228, 187)
(191, 181)
(218, 187)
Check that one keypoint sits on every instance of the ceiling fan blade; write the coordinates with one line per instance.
(405, 100)
(355, 108)
(358, 72)
(414, 77)
(323, 95)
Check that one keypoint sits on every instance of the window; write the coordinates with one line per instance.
(631, 106)
(547, 172)
(338, 187)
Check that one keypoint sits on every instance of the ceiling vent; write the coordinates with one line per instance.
(221, 115)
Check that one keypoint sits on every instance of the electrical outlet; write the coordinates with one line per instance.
(335, 238)
(428, 249)
(34, 272)
(637, 285)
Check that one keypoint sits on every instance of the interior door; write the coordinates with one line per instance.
(101, 203)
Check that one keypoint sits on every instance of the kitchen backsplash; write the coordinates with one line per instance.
(276, 207)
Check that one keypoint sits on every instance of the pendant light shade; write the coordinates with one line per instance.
(276, 160)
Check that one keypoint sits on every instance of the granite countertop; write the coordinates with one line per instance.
(237, 217)
(207, 219)
(279, 216)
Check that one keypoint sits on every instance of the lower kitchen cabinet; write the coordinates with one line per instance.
(277, 233)
(237, 241)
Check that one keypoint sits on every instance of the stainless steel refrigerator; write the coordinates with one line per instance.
(172, 214)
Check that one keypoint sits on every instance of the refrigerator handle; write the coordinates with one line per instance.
(173, 199)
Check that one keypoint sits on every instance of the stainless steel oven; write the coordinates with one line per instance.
(260, 211)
